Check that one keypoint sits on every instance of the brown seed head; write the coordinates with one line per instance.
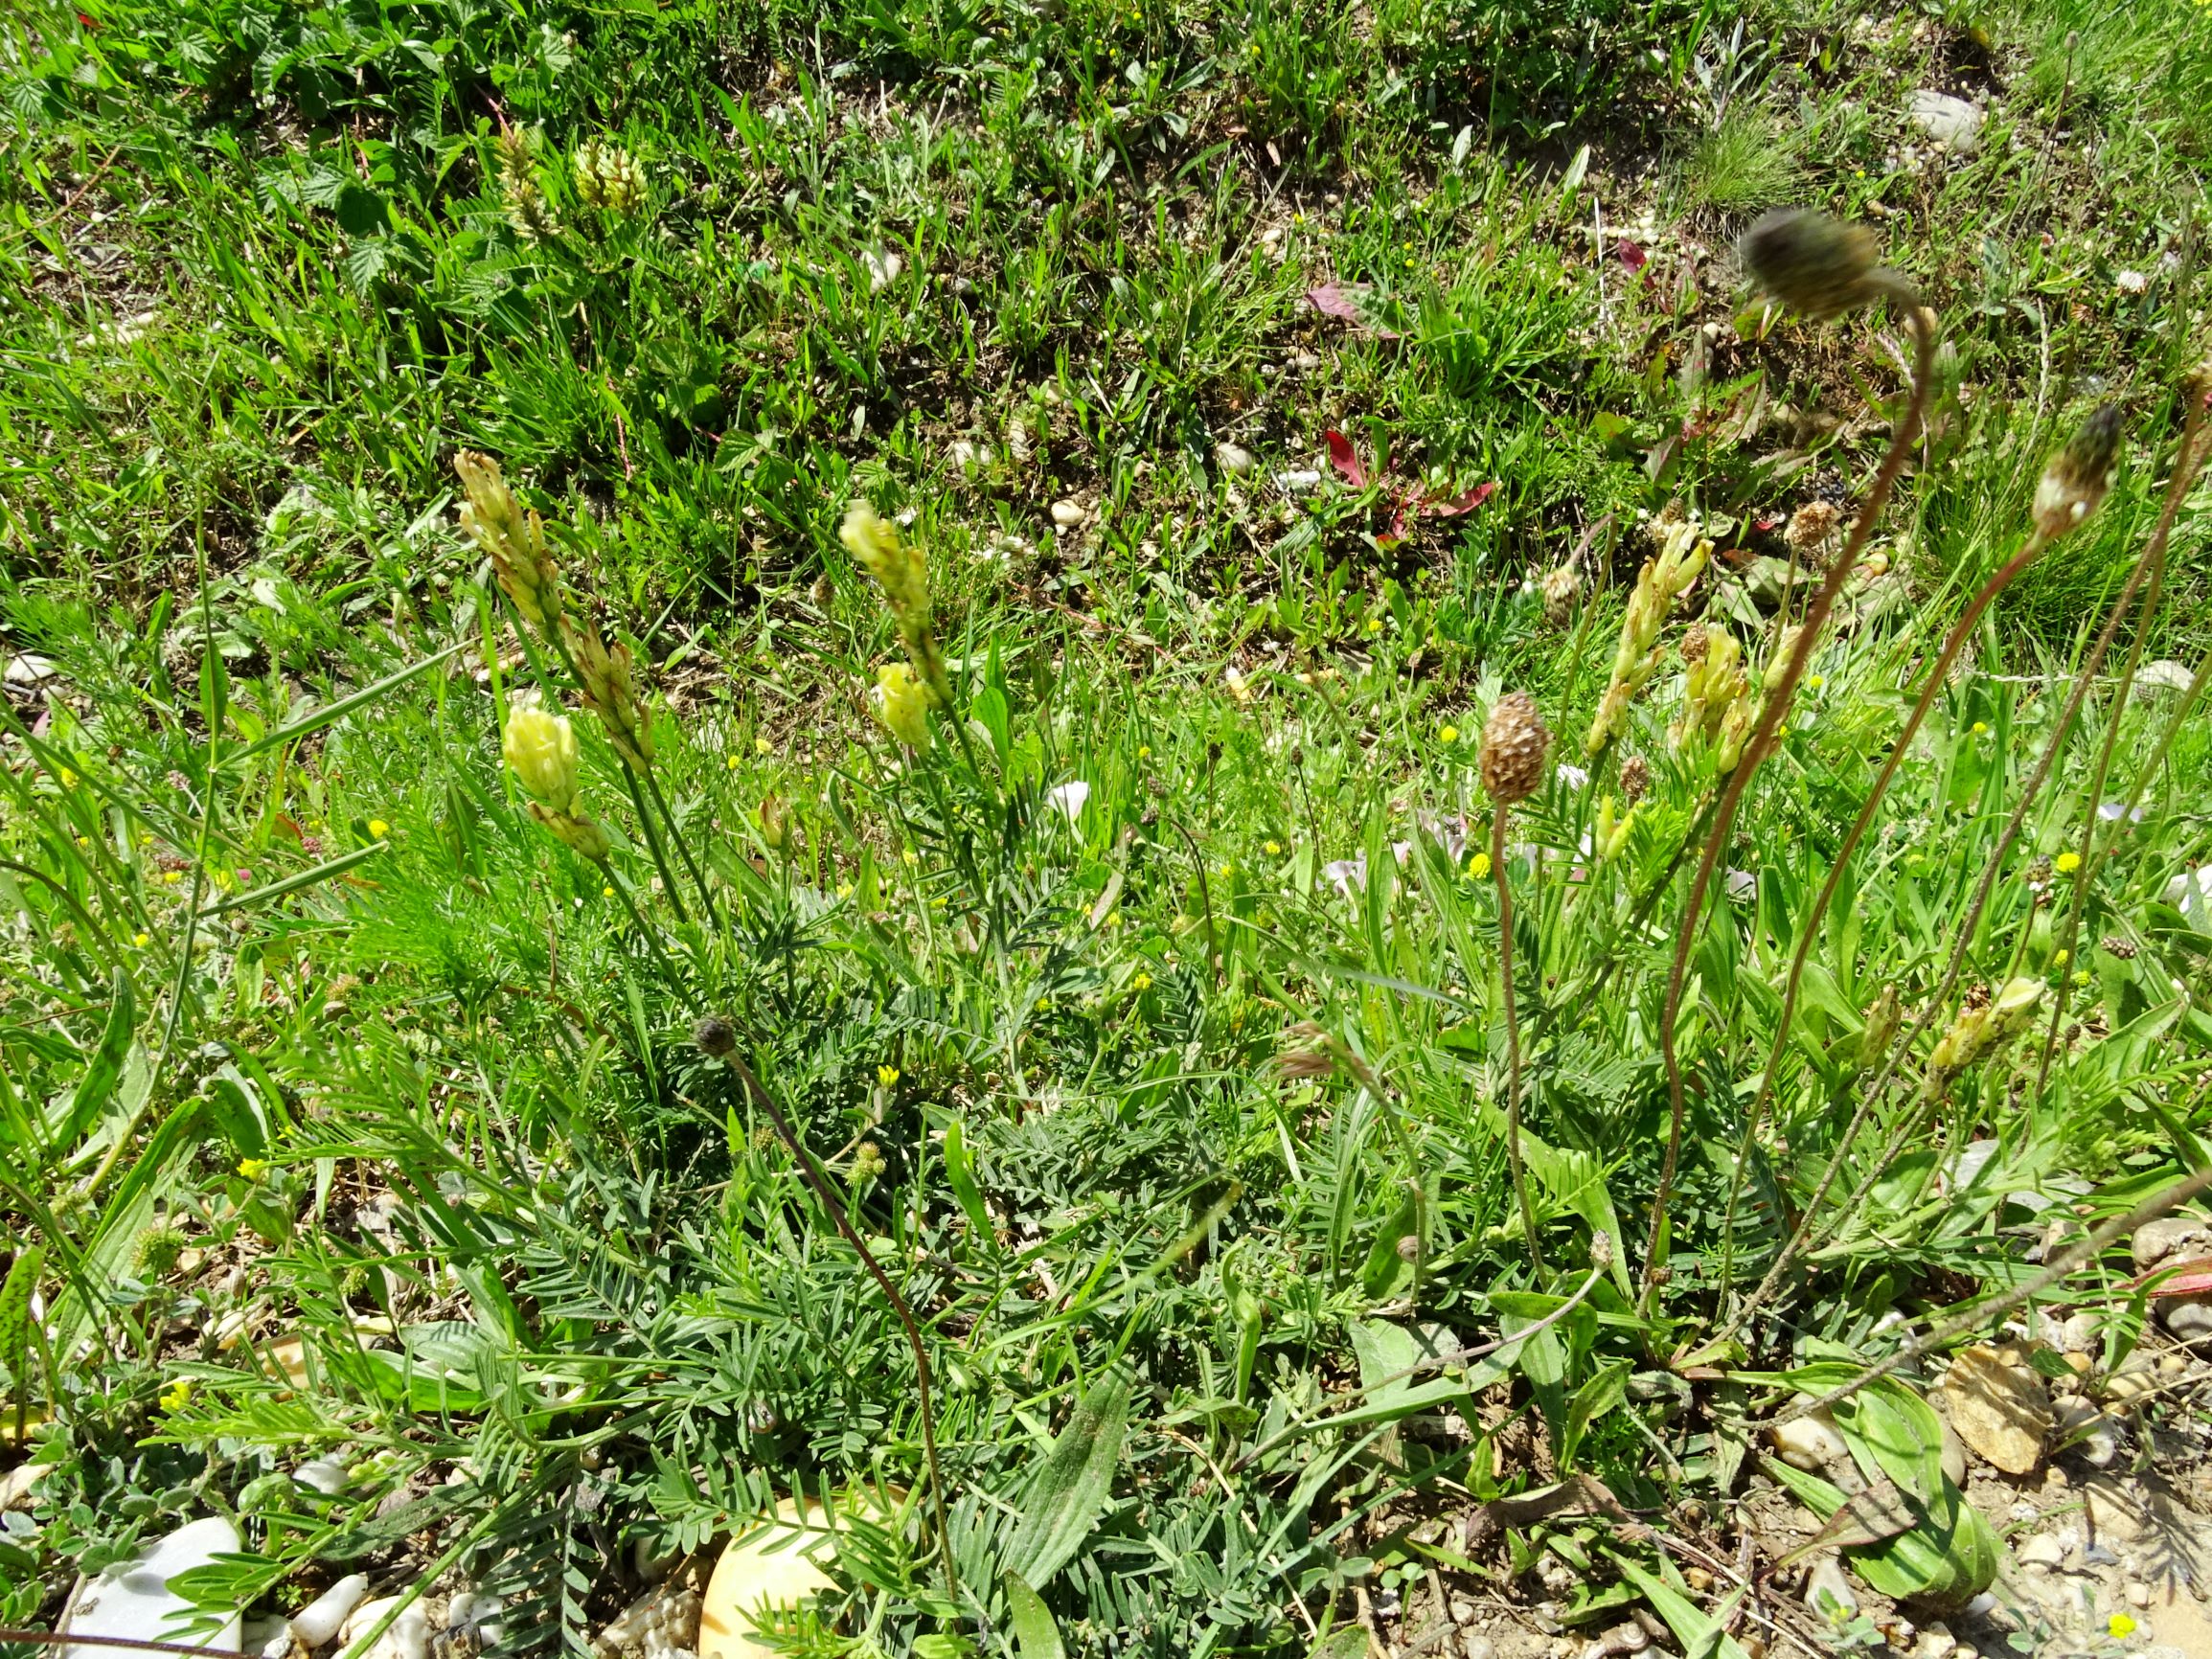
(2075, 483)
(1810, 263)
(1561, 588)
(1635, 777)
(1695, 643)
(1811, 524)
(1976, 998)
(1514, 743)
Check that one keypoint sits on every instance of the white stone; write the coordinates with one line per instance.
(319, 1620)
(1828, 1584)
(2188, 1318)
(408, 1637)
(1066, 515)
(2169, 1236)
(132, 1601)
(1298, 481)
(2042, 1551)
(884, 267)
(1234, 459)
(1808, 1443)
(1950, 121)
(325, 1475)
(2166, 675)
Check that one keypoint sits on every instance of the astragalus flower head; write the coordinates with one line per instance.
(609, 676)
(513, 537)
(900, 703)
(607, 176)
(903, 575)
(1983, 1025)
(1683, 555)
(539, 748)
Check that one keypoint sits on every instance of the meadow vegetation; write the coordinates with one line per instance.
(1247, 819)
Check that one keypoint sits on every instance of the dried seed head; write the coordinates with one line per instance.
(1561, 588)
(1514, 743)
(1810, 263)
(1601, 1249)
(2114, 945)
(1635, 777)
(1695, 643)
(714, 1037)
(1976, 998)
(2075, 483)
(1811, 524)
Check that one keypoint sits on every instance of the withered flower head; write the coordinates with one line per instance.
(2075, 483)
(1812, 264)
(1514, 743)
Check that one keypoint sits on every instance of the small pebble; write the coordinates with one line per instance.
(1066, 515)
(2041, 1552)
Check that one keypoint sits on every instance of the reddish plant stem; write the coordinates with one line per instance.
(1512, 1034)
(1772, 715)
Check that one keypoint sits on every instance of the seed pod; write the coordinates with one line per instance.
(1514, 743)
(714, 1037)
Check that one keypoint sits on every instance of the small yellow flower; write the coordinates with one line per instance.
(761, 746)
(84, 841)
(1115, 920)
(607, 892)
(1815, 681)
(1447, 734)
(910, 857)
(378, 829)
(1226, 870)
(1478, 866)
(887, 1075)
(2120, 1626)
(1142, 981)
(844, 890)
(1374, 625)
(2066, 863)
(172, 877)
(1981, 728)
(68, 779)
(253, 1169)
(142, 940)
(1274, 849)
(1144, 751)
(2081, 976)
(176, 1395)
(733, 763)
(2059, 959)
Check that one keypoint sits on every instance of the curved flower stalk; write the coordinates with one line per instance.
(1514, 741)
(1812, 264)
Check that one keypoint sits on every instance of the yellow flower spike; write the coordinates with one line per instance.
(513, 539)
(2060, 957)
(253, 1169)
(1478, 866)
(733, 763)
(2066, 863)
(901, 705)
(887, 1075)
(581, 835)
(378, 829)
(539, 748)
(903, 575)
(609, 676)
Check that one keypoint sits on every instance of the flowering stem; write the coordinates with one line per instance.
(1512, 1035)
(1775, 707)
(660, 857)
(2185, 473)
(683, 847)
(820, 1183)
(1810, 928)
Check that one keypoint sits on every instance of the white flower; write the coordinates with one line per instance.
(2191, 894)
(1574, 777)
(882, 267)
(2113, 811)
(1068, 798)
(1347, 874)
(1742, 886)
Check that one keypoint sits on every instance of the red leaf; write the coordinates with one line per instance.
(1467, 501)
(2193, 1279)
(1333, 300)
(1345, 302)
(1629, 255)
(1396, 533)
(1345, 459)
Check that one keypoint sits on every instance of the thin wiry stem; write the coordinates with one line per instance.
(836, 1210)
(2176, 489)
(683, 847)
(1512, 1034)
(1775, 707)
(1938, 675)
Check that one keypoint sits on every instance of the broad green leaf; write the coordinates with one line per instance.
(959, 1174)
(15, 1327)
(1035, 1635)
(1385, 1268)
(1071, 1488)
(1946, 1559)
(102, 1071)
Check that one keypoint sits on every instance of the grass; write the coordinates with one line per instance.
(1146, 1028)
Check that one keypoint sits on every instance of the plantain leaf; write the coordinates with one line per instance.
(102, 1071)
(1035, 1635)
(1072, 1486)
